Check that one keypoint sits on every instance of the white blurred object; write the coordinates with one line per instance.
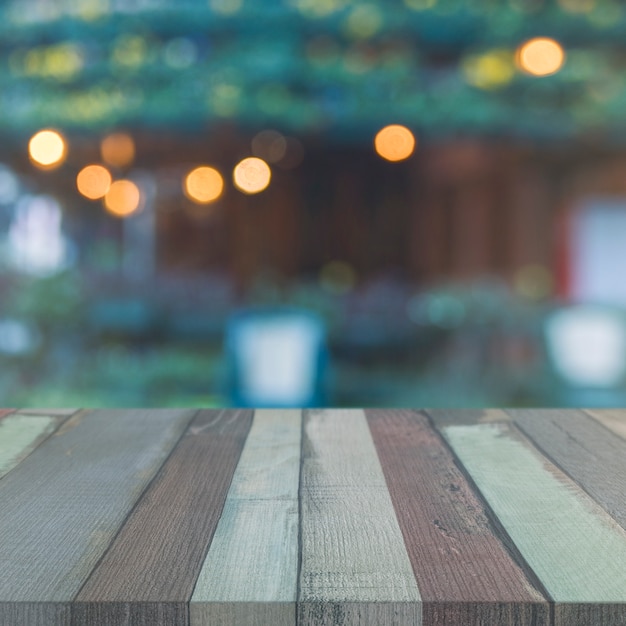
(277, 358)
(597, 252)
(588, 345)
(36, 244)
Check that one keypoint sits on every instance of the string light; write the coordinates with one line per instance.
(540, 56)
(252, 175)
(122, 199)
(203, 185)
(394, 143)
(47, 149)
(93, 181)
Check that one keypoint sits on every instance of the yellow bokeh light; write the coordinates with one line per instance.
(394, 143)
(541, 56)
(47, 149)
(203, 185)
(577, 6)
(118, 149)
(93, 181)
(492, 70)
(122, 199)
(252, 175)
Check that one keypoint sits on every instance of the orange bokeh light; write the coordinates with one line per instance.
(203, 185)
(252, 175)
(93, 181)
(47, 149)
(394, 143)
(118, 149)
(122, 199)
(540, 56)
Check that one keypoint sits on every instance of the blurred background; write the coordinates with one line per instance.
(340, 202)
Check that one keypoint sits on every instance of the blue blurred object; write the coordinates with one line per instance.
(276, 357)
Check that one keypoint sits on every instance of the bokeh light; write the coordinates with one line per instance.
(534, 282)
(93, 181)
(252, 175)
(337, 277)
(203, 185)
(47, 149)
(395, 143)
(123, 198)
(269, 145)
(541, 56)
(118, 149)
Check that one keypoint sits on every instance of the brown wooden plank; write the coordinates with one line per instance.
(464, 572)
(594, 457)
(62, 505)
(148, 574)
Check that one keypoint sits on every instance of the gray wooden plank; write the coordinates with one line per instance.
(258, 531)
(149, 571)
(61, 412)
(574, 547)
(613, 419)
(593, 456)
(61, 507)
(21, 434)
(354, 564)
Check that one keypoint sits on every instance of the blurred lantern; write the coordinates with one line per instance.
(122, 199)
(118, 149)
(93, 181)
(540, 56)
(252, 175)
(47, 149)
(394, 143)
(203, 185)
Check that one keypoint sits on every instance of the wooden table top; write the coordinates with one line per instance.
(284, 517)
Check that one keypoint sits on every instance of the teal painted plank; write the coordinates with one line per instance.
(258, 531)
(20, 435)
(574, 547)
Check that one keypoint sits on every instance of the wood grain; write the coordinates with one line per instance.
(62, 505)
(464, 572)
(20, 435)
(354, 564)
(594, 457)
(575, 548)
(156, 557)
(258, 531)
(613, 419)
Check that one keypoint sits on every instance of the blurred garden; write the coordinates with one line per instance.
(439, 183)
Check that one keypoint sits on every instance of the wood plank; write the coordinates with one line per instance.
(150, 570)
(354, 564)
(464, 572)
(54, 411)
(4, 412)
(613, 419)
(575, 548)
(20, 435)
(61, 506)
(258, 531)
(593, 456)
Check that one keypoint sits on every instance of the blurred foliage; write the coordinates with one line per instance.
(311, 66)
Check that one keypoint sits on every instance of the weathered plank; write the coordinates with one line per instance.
(55, 411)
(250, 573)
(20, 435)
(62, 505)
(594, 457)
(148, 573)
(354, 564)
(575, 548)
(464, 572)
(4, 412)
(613, 419)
